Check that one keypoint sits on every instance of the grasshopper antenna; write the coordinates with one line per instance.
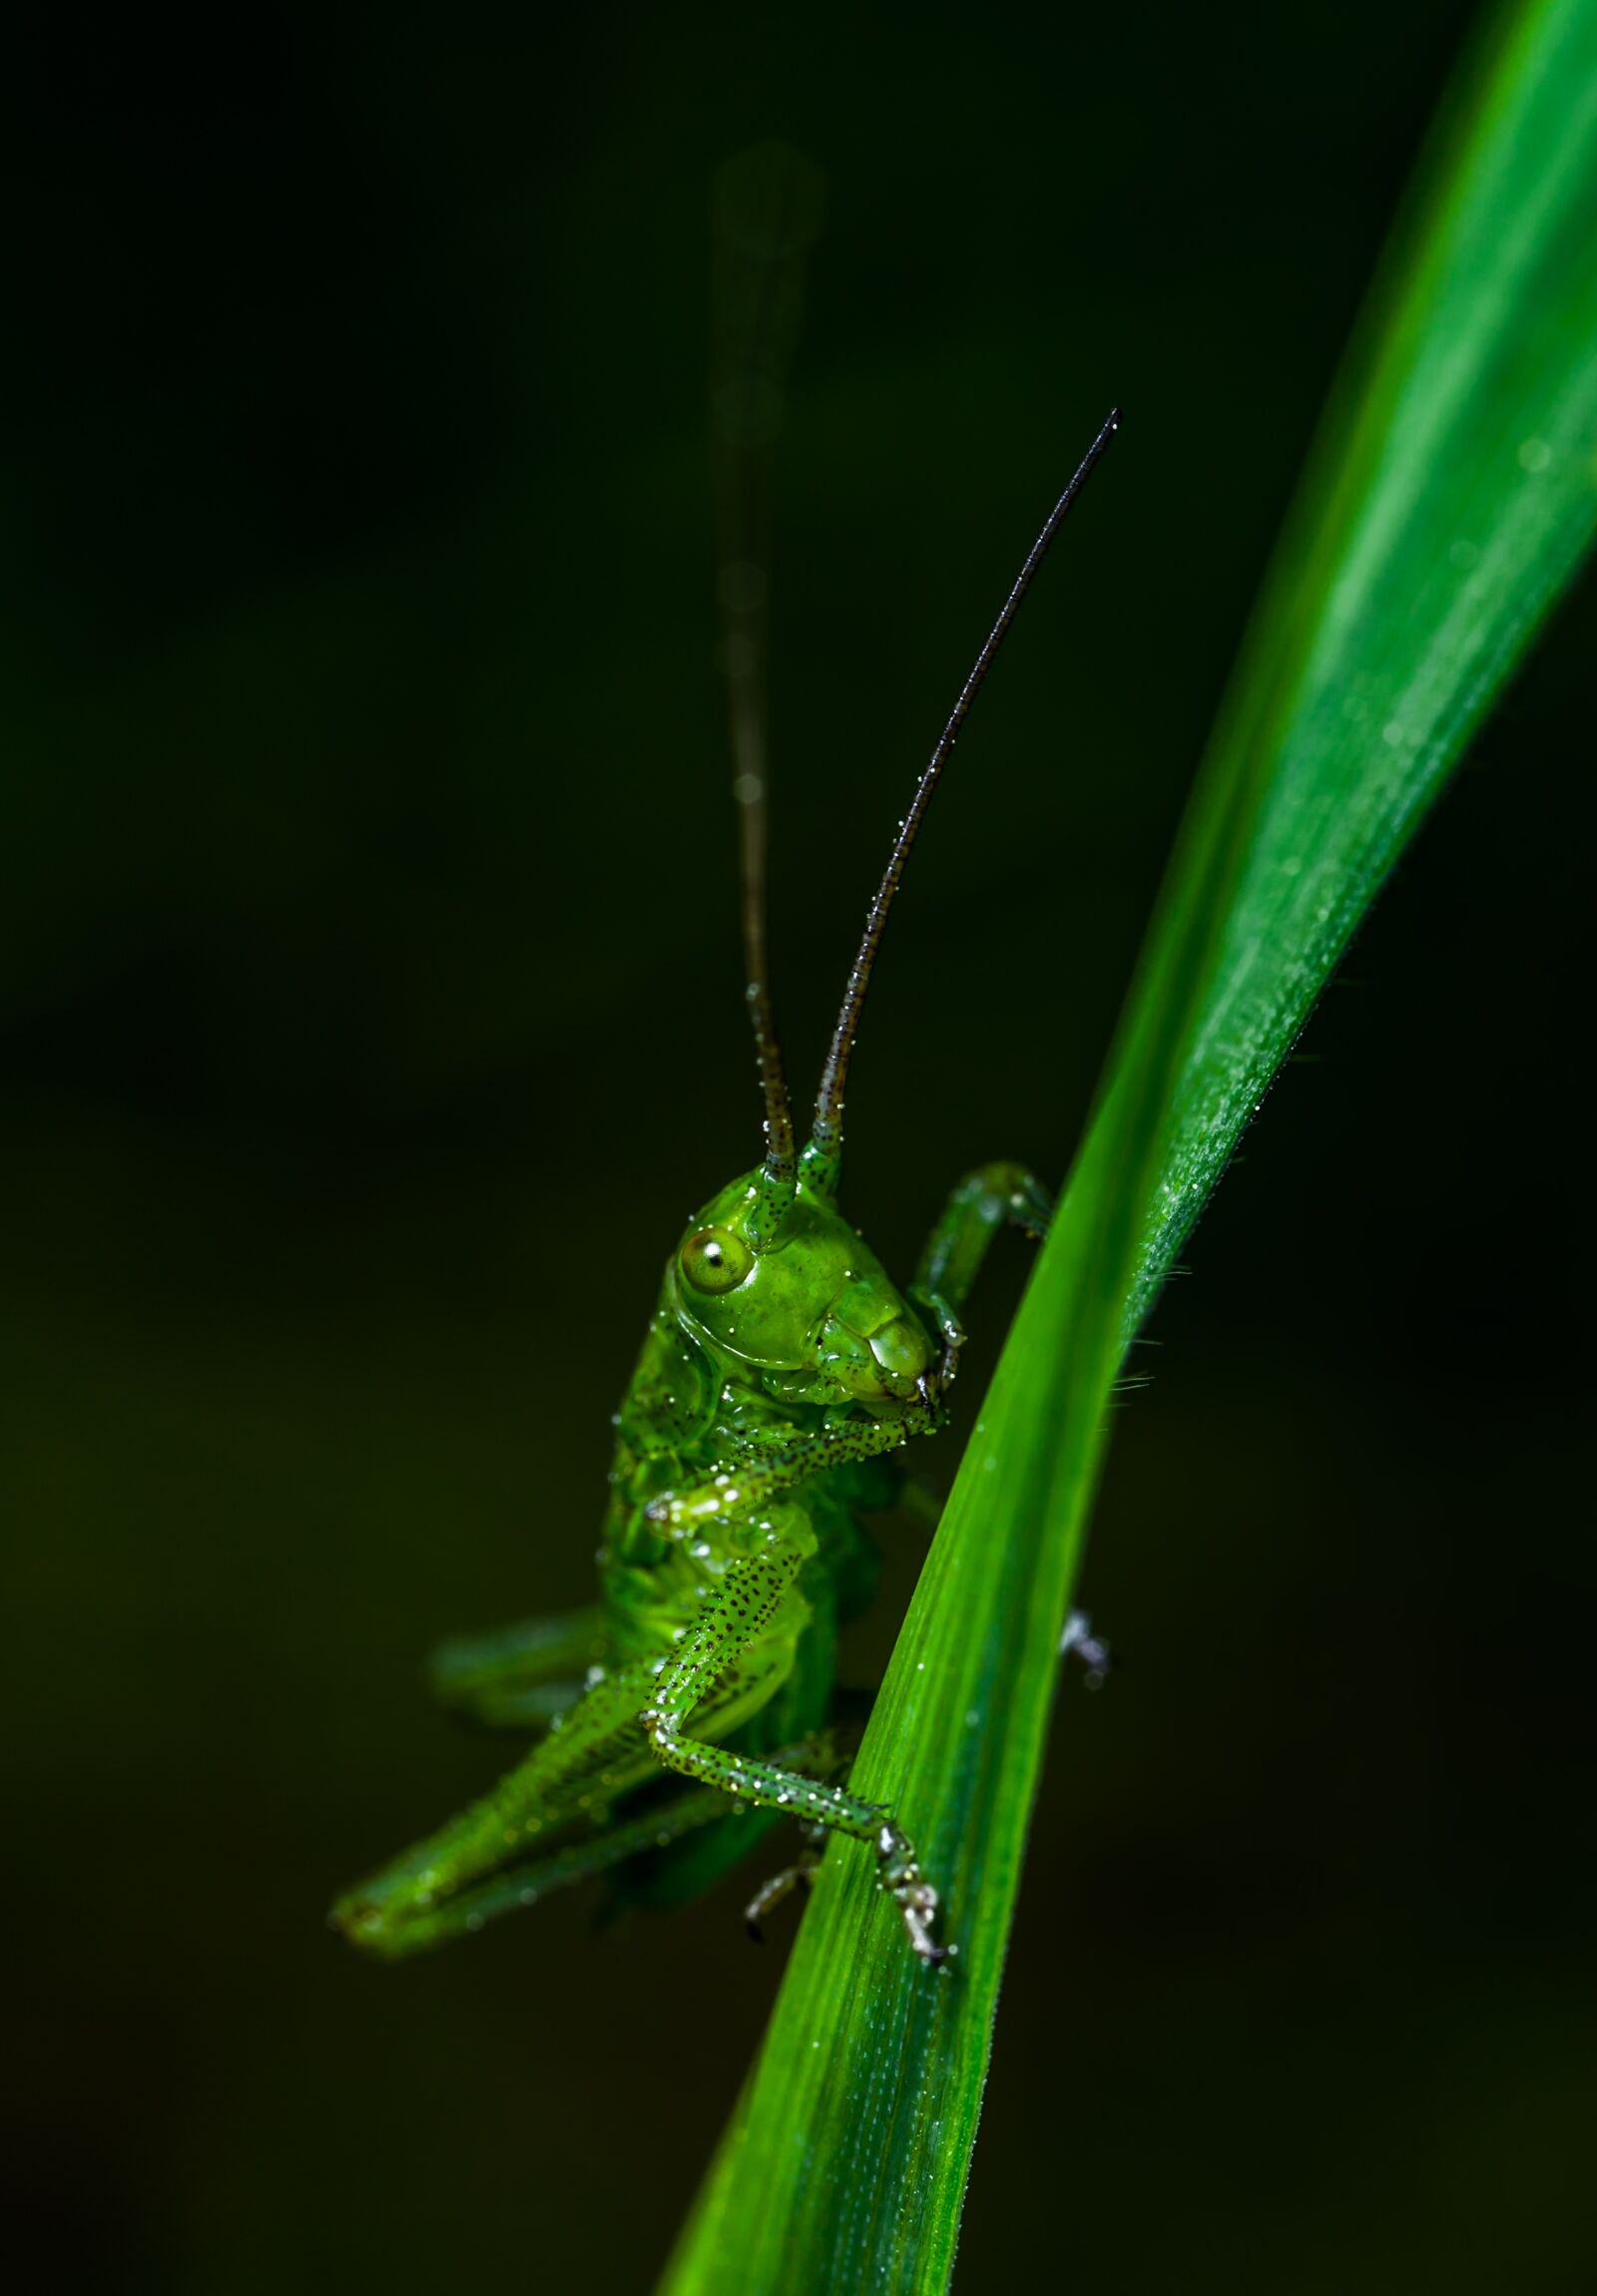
(742, 604)
(822, 1157)
(780, 1162)
(767, 211)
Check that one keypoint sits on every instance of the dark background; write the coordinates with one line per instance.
(371, 1011)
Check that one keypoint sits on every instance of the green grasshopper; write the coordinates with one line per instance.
(780, 1373)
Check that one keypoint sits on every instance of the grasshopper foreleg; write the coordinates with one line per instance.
(738, 1493)
(995, 1196)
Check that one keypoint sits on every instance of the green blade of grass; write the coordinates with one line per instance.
(1452, 495)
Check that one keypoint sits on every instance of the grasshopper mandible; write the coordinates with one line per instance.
(781, 1372)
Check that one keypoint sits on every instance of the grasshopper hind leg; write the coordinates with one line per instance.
(590, 1759)
(422, 1922)
(518, 1837)
(830, 1752)
(776, 1886)
(518, 1678)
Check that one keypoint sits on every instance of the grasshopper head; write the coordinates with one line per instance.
(770, 1278)
(773, 1274)
(809, 1314)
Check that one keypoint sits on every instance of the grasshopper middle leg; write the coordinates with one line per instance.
(757, 1612)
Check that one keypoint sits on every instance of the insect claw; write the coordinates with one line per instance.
(901, 1876)
(1090, 1648)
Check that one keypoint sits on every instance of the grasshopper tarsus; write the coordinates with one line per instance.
(900, 1875)
(1078, 1640)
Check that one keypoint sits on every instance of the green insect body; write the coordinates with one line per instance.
(782, 1373)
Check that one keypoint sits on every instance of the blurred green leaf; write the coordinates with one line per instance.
(1451, 495)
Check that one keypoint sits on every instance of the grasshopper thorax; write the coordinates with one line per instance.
(809, 1314)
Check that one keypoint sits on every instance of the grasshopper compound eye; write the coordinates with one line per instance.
(715, 1261)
